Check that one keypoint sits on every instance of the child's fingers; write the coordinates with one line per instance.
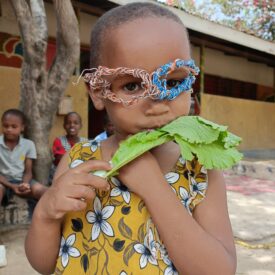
(92, 165)
(63, 206)
(87, 180)
(82, 192)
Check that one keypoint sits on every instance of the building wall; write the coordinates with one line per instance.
(254, 121)
(9, 98)
(237, 68)
(9, 24)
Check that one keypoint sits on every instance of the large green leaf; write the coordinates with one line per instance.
(211, 143)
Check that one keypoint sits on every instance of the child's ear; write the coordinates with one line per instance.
(97, 100)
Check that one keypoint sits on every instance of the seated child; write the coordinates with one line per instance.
(161, 214)
(72, 125)
(16, 156)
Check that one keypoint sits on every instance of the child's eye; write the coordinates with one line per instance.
(132, 87)
(173, 83)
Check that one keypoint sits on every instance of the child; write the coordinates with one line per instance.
(16, 156)
(72, 125)
(108, 129)
(159, 215)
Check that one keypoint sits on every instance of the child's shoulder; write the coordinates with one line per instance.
(26, 141)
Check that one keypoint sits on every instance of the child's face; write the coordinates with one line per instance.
(12, 127)
(72, 125)
(146, 44)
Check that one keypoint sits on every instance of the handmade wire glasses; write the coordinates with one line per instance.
(127, 86)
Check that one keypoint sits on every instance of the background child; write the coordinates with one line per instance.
(16, 156)
(72, 125)
(161, 214)
(108, 129)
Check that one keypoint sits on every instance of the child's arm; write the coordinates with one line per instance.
(27, 176)
(202, 244)
(69, 186)
(6, 183)
(24, 187)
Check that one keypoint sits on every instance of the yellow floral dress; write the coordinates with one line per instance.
(115, 234)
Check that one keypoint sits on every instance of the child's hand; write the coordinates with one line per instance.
(20, 190)
(24, 187)
(139, 174)
(72, 190)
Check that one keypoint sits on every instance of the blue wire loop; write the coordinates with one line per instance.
(160, 81)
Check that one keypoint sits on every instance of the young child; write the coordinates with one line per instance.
(72, 125)
(108, 129)
(161, 214)
(16, 156)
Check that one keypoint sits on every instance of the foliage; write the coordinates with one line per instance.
(250, 16)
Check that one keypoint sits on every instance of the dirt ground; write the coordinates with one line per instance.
(250, 261)
(251, 205)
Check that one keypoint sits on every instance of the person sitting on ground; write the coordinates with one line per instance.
(16, 157)
(72, 125)
(108, 129)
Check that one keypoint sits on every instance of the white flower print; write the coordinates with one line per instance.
(94, 145)
(86, 144)
(172, 178)
(147, 250)
(197, 188)
(186, 199)
(98, 219)
(182, 160)
(76, 162)
(123, 273)
(203, 170)
(120, 189)
(67, 249)
(170, 269)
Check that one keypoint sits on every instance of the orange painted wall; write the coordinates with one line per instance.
(252, 120)
(9, 98)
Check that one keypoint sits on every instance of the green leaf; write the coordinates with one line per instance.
(193, 130)
(213, 145)
(134, 147)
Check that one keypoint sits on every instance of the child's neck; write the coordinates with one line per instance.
(11, 144)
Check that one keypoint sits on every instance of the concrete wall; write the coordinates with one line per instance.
(9, 98)
(254, 121)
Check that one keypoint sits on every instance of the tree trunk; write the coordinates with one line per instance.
(41, 91)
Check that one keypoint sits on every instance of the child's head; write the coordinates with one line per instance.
(129, 44)
(13, 123)
(72, 124)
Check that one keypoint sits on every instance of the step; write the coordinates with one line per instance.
(15, 213)
(259, 169)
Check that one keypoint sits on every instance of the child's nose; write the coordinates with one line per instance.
(157, 108)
